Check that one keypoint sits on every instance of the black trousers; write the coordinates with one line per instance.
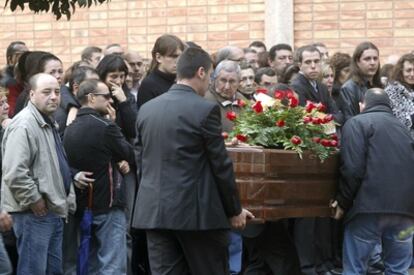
(271, 252)
(188, 252)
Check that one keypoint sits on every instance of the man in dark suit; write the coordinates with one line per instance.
(187, 199)
(307, 84)
(312, 234)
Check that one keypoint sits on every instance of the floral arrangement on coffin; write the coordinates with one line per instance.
(280, 122)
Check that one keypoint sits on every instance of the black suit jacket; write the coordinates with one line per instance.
(305, 90)
(187, 180)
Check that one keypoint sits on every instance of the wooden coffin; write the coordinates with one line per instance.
(276, 184)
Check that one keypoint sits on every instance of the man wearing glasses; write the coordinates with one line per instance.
(94, 143)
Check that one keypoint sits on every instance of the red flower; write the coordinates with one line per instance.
(325, 142)
(290, 94)
(225, 135)
(231, 115)
(321, 107)
(334, 143)
(294, 102)
(328, 118)
(257, 107)
(280, 123)
(316, 139)
(310, 106)
(261, 90)
(296, 140)
(241, 137)
(307, 119)
(241, 103)
(334, 137)
(279, 94)
(316, 120)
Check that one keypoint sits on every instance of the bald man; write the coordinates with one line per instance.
(37, 182)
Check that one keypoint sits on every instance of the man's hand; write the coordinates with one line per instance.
(123, 167)
(239, 222)
(6, 221)
(338, 211)
(39, 208)
(111, 112)
(82, 179)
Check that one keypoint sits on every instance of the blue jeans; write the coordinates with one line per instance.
(365, 232)
(5, 265)
(108, 249)
(39, 243)
(235, 252)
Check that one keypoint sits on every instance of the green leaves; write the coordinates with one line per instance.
(262, 128)
(58, 7)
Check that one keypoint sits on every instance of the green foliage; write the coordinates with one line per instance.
(291, 133)
(58, 7)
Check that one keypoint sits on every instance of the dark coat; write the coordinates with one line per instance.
(156, 83)
(351, 94)
(67, 101)
(96, 144)
(377, 166)
(187, 180)
(126, 115)
(305, 91)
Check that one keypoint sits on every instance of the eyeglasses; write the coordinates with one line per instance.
(107, 96)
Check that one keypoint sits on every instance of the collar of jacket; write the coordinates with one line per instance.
(182, 87)
(87, 111)
(168, 77)
(39, 117)
(378, 108)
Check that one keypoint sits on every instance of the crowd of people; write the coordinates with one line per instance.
(139, 143)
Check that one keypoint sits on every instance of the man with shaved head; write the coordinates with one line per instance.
(136, 62)
(37, 181)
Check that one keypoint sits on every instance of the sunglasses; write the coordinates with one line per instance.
(107, 96)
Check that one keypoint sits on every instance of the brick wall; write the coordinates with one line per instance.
(136, 25)
(342, 24)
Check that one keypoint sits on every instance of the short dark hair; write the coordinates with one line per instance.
(306, 48)
(288, 73)
(258, 44)
(88, 86)
(11, 49)
(278, 47)
(79, 75)
(111, 63)
(263, 71)
(88, 51)
(190, 61)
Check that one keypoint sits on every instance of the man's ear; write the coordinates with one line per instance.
(201, 73)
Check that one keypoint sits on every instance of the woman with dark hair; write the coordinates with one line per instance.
(163, 68)
(112, 70)
(34, 63)
(289, 73)
(401, 91)
(365, 74)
